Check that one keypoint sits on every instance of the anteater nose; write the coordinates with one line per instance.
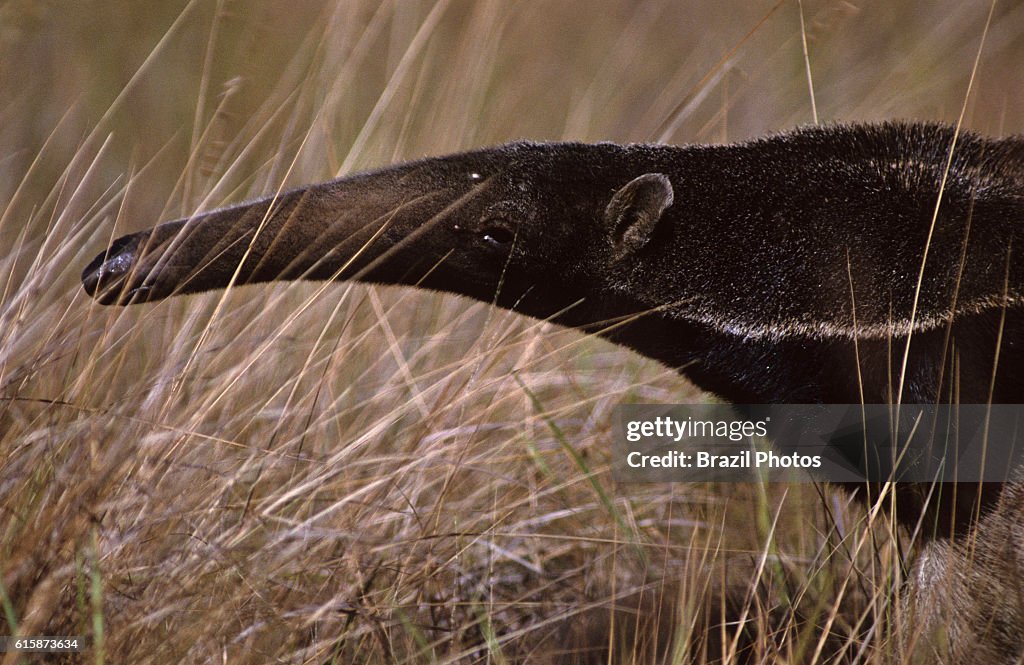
(105, 276)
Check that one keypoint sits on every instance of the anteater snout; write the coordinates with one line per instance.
(107, 277)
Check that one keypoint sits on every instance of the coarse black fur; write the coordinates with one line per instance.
(786, 269)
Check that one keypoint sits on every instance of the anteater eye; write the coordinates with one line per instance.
(498, 236)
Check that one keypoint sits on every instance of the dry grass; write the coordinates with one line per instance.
(330, 473)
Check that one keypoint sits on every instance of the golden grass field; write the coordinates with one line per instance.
(330, 473)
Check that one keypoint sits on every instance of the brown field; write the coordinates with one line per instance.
(330, 473)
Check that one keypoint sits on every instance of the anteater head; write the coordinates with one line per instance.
(501, 225)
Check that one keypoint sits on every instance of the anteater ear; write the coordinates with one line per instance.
(635, 210)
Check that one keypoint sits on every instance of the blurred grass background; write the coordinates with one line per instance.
(326, 473)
